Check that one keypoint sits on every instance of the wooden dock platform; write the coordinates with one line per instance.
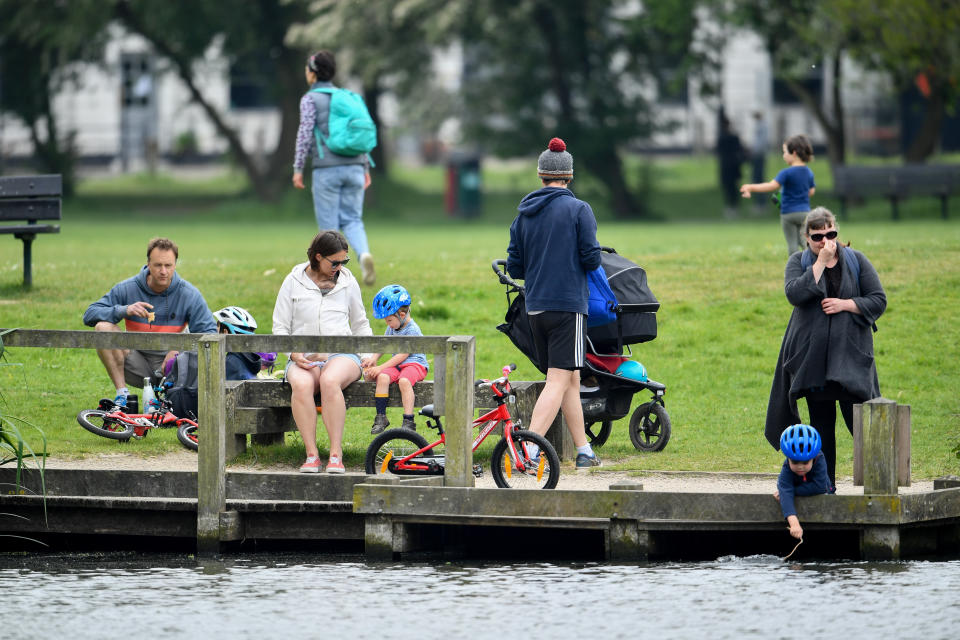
(388, 518)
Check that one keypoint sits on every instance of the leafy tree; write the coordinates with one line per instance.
(577, 69)
(799, 34)
(39, 41)
(183, 33)
(915, 42)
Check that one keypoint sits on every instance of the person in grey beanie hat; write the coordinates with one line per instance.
(555, 163)
(553, 245)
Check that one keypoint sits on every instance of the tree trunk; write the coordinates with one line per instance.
(925, 142)
(605, 164)
(259, 179)
(832, 124)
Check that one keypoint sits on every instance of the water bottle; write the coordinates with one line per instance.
(150, 403)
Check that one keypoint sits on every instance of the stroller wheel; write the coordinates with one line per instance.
(650, 427)
(597, 435)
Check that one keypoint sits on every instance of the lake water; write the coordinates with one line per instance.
(285, 596)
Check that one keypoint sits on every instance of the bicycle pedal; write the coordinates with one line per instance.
(477, 471)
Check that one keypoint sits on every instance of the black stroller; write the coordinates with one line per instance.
(606, 396)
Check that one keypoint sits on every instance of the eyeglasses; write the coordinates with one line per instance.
(337, 263)
(829, 235)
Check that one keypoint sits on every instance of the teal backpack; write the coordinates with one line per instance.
(351, 129)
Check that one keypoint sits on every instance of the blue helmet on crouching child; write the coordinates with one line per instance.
(389, 300)
(800, 442)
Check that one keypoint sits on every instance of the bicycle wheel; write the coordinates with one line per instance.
(97, 421)
(598, 435)
(542, 472)
(393, 444)
(187, 435)
(650, 427)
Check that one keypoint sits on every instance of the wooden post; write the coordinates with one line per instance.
(211, 463)
(458, 409)
(901, 443)
(879, 418)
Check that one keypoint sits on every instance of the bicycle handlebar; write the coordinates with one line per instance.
(507, 369)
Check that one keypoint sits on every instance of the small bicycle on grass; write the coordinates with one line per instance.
(111, 421)
(521, 459)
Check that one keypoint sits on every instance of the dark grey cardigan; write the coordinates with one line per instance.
(818, 348)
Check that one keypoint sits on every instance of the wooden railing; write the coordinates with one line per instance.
(453, 372)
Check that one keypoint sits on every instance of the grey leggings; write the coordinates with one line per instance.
(792, 225)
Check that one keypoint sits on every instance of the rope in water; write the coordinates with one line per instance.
(794, 549)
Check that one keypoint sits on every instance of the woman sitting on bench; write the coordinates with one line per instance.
(321, 297)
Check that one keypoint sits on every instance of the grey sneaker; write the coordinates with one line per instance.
(366, 269)
(409, 423)
(585, 462)
(380, 423)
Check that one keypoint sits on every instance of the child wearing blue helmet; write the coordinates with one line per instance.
(392, 304)
(804, 472)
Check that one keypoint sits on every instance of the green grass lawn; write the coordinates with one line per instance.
(720, 284)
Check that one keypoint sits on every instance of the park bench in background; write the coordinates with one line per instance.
(896, 183)
(23, 201)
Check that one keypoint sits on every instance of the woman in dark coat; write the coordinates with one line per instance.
(827, 351)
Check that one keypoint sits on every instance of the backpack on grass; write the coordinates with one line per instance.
(351, 130)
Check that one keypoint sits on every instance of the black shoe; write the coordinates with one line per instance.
(409, 423)
(380, 423)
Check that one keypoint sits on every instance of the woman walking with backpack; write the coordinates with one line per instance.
(827, 351)
(341, 173)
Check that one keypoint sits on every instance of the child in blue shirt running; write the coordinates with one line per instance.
(796, 187)
(804, 472)
(392, 304)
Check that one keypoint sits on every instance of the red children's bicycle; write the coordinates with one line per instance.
(113, 422)
(521, 459)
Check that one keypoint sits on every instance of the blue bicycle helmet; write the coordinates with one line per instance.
(800, 442)
(633, 370)
(389, 300)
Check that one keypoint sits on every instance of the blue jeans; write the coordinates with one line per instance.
(338, 202)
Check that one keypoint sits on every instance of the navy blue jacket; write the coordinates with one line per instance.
(814, 483)
(553, 244)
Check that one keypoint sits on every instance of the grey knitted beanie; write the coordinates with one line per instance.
(555, 163)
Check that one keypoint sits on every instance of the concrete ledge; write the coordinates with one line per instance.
(679, 509)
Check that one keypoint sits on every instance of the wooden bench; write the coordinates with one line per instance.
(23, 202)
(261, 409)
(896, 184)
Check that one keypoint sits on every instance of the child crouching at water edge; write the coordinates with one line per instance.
(804, 472)
(392, 305)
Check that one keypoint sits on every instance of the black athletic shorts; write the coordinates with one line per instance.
(558, 338)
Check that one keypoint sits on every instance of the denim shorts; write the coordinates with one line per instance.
(352, 356)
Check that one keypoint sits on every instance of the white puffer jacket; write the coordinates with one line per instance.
(301, 308)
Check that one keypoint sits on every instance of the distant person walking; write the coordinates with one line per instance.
(730, 154)
(796, 187)
(758, 152)
(338, 180)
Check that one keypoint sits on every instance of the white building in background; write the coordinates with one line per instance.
(133, 110)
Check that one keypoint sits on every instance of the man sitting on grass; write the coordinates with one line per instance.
(155, 300)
